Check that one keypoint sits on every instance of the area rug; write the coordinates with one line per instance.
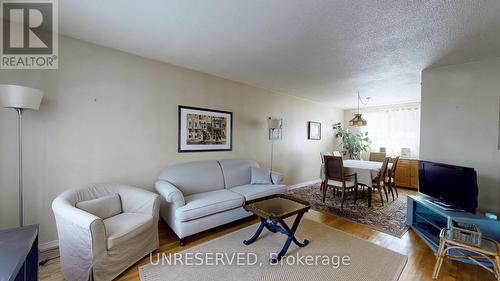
(366, 261)
(389, 218)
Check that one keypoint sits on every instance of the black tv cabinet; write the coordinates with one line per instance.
(19, 254)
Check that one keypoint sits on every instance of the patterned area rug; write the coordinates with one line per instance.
(389, 219)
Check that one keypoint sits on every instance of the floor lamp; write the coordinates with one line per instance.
(274, 126)
(20, 98)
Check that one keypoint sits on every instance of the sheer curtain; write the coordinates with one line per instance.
(394, 129)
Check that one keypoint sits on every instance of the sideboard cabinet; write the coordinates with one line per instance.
(407, 173)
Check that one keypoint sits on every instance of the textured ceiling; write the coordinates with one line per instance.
(325, 51)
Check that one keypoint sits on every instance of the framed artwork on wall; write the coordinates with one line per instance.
(275, 134)
(313, 130)
(202, 129)
(275, 126)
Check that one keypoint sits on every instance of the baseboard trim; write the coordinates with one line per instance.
(303, 184)
(48, 245)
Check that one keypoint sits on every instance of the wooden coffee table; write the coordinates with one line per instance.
(272, 210)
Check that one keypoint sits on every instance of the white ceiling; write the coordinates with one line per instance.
(323, 50)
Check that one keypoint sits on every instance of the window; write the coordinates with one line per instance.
(394, 128)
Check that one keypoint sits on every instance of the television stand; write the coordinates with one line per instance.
(426, 219)
(443, 205)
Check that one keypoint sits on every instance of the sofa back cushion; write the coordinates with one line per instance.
(103, 207)
(237, 171)
(194, 177)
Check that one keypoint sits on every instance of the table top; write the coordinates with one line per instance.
(365, 170)
(15, 245)
(363, 164)
(277, 207)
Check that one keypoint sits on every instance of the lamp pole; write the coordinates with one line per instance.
(274, 126)
(272, 152)
(41, 258)
(20, 171)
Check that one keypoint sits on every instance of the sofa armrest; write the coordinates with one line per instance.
(276, 178)
(170, 193)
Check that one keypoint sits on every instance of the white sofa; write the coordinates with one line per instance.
(105, 228)
(197, 196)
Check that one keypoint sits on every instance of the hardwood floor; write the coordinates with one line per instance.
(419, 266)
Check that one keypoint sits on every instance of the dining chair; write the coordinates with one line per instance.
(335, 177)
(379, 182)
(377, 156)
(337, 153)
(392, 178)
(323, 154)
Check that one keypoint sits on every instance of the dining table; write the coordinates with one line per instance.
(366, 172)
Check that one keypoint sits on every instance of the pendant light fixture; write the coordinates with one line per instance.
(358, 119)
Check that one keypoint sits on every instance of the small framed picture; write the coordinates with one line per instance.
(202, 129)
(313, 130)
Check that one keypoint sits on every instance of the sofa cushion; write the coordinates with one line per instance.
(260, 176)
(194, 177)
(207, 203)
(121, 228)
(103, 207)
(252, 191)
(237, 171)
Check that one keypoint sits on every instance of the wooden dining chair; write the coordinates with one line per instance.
(392, 178)
(335, 177)
(379, 182)
(323, 154)
(377, 156)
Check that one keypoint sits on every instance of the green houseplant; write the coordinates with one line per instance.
(353, 143)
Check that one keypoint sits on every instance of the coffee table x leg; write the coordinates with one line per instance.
(274, 226)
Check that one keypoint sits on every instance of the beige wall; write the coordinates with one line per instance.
(459, 125)
(109, 116)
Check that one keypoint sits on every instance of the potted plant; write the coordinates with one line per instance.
(353, 143)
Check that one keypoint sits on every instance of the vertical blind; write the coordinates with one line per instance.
(394, 129)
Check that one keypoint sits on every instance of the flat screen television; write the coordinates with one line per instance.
(453, 186)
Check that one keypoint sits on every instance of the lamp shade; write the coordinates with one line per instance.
(274, 123)
(14, 96)
(358, 120)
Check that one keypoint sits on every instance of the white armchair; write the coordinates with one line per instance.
(105, 228)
